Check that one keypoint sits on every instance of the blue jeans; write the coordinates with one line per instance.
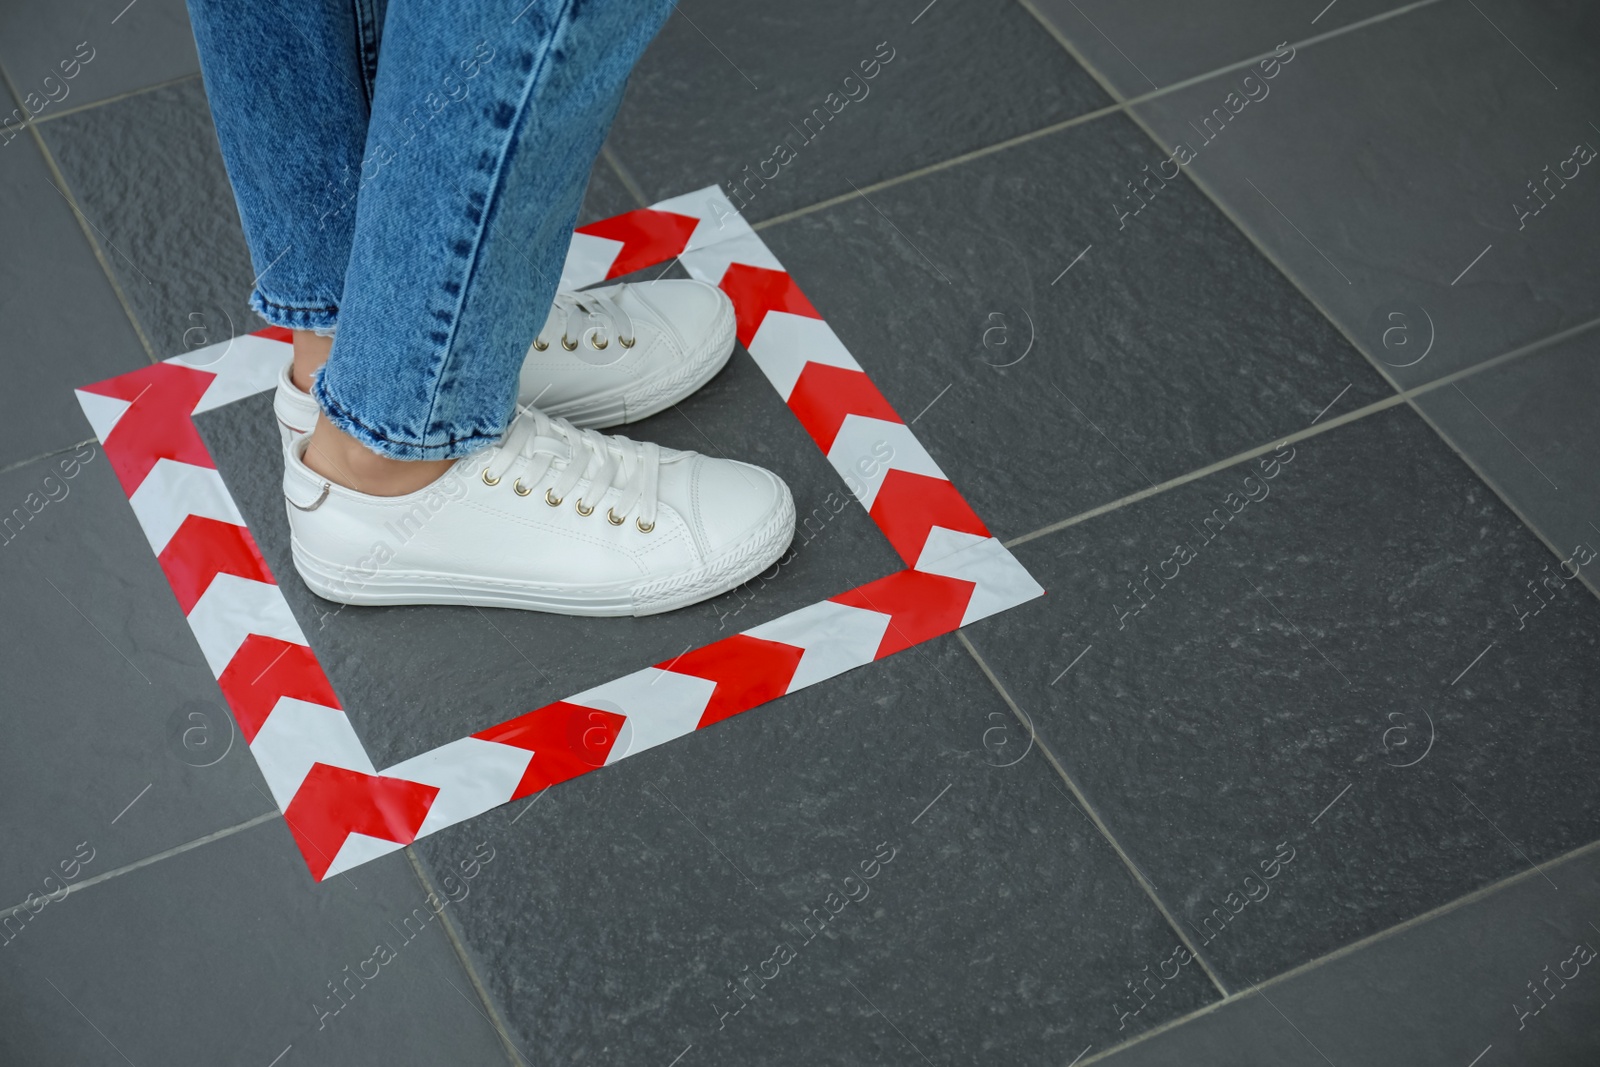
(410, 171)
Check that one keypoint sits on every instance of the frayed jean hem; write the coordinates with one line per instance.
(319, 320)
(386, 443)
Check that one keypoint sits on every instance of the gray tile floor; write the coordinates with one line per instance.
(1293, 764)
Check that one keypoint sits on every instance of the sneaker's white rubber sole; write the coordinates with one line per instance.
(712, 578)
(630, 402)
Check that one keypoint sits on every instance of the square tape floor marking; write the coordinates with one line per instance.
(342, 810)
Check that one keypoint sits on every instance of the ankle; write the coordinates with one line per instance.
(345, 461)
(310, 353)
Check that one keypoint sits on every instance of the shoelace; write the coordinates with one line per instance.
(576, 310)
(536, 442)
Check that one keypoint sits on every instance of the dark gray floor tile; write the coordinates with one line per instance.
(64, 325)
(1068, 359)
(1529, 428)
(67, 53)
(1150, 44)
(413, 678)
(607, 196)
(229, 953)
(109, 703)
(146, 170)
(727, 82)
(1448, 991)
(1384, 167)
(1001, 930)
(1331, 673)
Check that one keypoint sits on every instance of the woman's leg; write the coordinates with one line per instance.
(314, 137)
(486, 118)
(290, 84)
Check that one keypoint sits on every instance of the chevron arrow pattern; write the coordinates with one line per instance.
(341, 810)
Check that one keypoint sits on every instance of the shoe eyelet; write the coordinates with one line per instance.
(551, 498)
(629, 342)
(613, 518)
(518, 488)
(569, 346)
(644, 528)
(585, 512)
(540, 345)
(598, 345)
(488, 480)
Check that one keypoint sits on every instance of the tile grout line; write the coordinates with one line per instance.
(1227, 68)
(933, 168)
(1403, 396)
(459, 946)
(83, 224)
(1586, 580)
(1205, 190)
(19, 464)
(1120, 106)
(624, 175)
(1093, 814)
(76, 887)
(1209, 469)
(80, 108)
(1481, 893)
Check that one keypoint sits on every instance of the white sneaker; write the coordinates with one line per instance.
(605, 357)
(552, 518)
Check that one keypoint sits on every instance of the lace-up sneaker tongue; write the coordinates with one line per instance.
(553, 518)
(622, 353)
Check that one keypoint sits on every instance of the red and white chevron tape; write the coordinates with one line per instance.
(341, 810)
